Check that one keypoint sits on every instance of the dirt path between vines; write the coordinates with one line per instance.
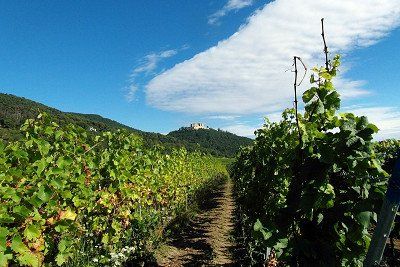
(208, 239)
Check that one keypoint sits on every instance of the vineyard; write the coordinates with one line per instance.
(67, 198)
(310, 187)
(306, 192)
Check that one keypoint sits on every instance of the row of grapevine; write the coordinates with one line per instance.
(388, 151)
(67, 197)
(310, 186)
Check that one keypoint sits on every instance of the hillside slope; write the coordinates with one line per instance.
(217, 141)
(14, 111)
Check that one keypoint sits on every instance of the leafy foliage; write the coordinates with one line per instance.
(312, 197)
(62, 188)
(388, 151)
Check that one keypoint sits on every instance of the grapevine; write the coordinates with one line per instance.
(63, 192)
(311, 192)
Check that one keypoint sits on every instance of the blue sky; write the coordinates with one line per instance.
(159, 65)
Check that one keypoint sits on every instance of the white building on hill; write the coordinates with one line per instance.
(198, 125)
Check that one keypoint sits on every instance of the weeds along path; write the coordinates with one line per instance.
(208, 238)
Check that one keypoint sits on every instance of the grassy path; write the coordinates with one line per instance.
(207, 239)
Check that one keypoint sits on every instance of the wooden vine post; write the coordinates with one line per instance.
(295, 96)
(385, 219)
(295, 85)
(325, 46)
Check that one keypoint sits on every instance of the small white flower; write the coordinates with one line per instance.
(95, 260)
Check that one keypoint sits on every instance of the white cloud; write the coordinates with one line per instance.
(274, 117)
(149, 63)
(350, 89)
(238, 4)
(241, 129)
(387, 119)
(131, 90)
(231, 5)
(246, 128)
(245, 74)
(146, 66)
(223, 117)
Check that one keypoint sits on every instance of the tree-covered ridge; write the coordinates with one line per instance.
(14, 111)
(218, 142)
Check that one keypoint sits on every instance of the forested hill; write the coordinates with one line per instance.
(15, 110)
(216, 141)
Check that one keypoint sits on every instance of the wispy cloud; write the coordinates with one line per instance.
(150, 62)
(130, 92)
(246, 126)
(223, 117)
(231, 5)
(245, 74)
(350, 89)
(146, 66)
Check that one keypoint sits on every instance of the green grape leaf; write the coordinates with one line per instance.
(258, 228)
(6, 218)
(68, 214)
(309, 94)
(41, 165)
(22, 211)
(61, 259)
(363, 218)
(44, 193)
(3, 238)
(30, 259)
(32, 232)
(44, 147)
(18, 246)
(5, 258)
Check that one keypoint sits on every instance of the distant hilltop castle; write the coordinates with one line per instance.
(197, 125)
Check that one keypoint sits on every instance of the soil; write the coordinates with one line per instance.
(208, 238)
